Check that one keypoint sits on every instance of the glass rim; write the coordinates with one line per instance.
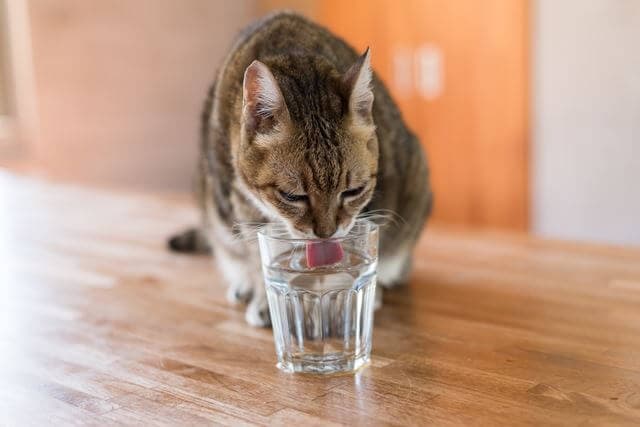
(373, 227)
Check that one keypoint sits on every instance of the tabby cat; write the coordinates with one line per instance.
(298, 130)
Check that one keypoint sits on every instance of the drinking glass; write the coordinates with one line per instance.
(321, 297)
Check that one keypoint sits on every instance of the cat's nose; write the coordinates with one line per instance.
(324, 231)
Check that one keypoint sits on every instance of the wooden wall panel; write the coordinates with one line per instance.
(476, 130)
(4, 66)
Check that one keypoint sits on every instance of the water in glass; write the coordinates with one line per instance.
(322, 317)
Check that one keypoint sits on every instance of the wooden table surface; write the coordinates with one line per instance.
(101, 325)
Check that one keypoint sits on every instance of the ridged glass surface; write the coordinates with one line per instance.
(322, 319)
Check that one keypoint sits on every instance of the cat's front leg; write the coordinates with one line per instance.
(257, 313)
(236, 271)
(241, 270)
(394, 269)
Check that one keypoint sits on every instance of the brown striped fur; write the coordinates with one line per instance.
(313, 140)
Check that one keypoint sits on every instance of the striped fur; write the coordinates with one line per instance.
(326, 137)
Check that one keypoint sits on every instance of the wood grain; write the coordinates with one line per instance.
(100, 325)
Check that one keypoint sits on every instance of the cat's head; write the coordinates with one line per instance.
(309, 153)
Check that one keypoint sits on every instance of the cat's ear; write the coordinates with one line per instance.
(263, 103)
(357, 81)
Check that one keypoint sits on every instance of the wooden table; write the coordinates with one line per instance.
(103, 326)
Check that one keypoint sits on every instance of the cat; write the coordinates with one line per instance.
(298, 130)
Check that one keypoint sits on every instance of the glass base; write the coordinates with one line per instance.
(323, 366)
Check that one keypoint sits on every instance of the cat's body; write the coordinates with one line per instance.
(318, 112)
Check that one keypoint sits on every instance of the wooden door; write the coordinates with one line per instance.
(459, 71)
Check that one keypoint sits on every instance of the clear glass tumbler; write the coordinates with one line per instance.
(321, 296)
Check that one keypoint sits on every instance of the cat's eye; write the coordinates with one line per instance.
(293, 197)
(353, 192)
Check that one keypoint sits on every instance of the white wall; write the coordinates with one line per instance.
(586, 128)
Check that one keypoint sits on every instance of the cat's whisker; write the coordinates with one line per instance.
(384, 213)
(383, 222)
(379, 219)
(388, 212)
(248, 231)
(245, 232)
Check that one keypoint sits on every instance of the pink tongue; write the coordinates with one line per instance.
(323, 253)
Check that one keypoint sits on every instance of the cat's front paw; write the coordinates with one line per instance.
(377, 303)
(239, 294)
(257, 313)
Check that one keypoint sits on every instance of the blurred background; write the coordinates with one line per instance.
(529, 110)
